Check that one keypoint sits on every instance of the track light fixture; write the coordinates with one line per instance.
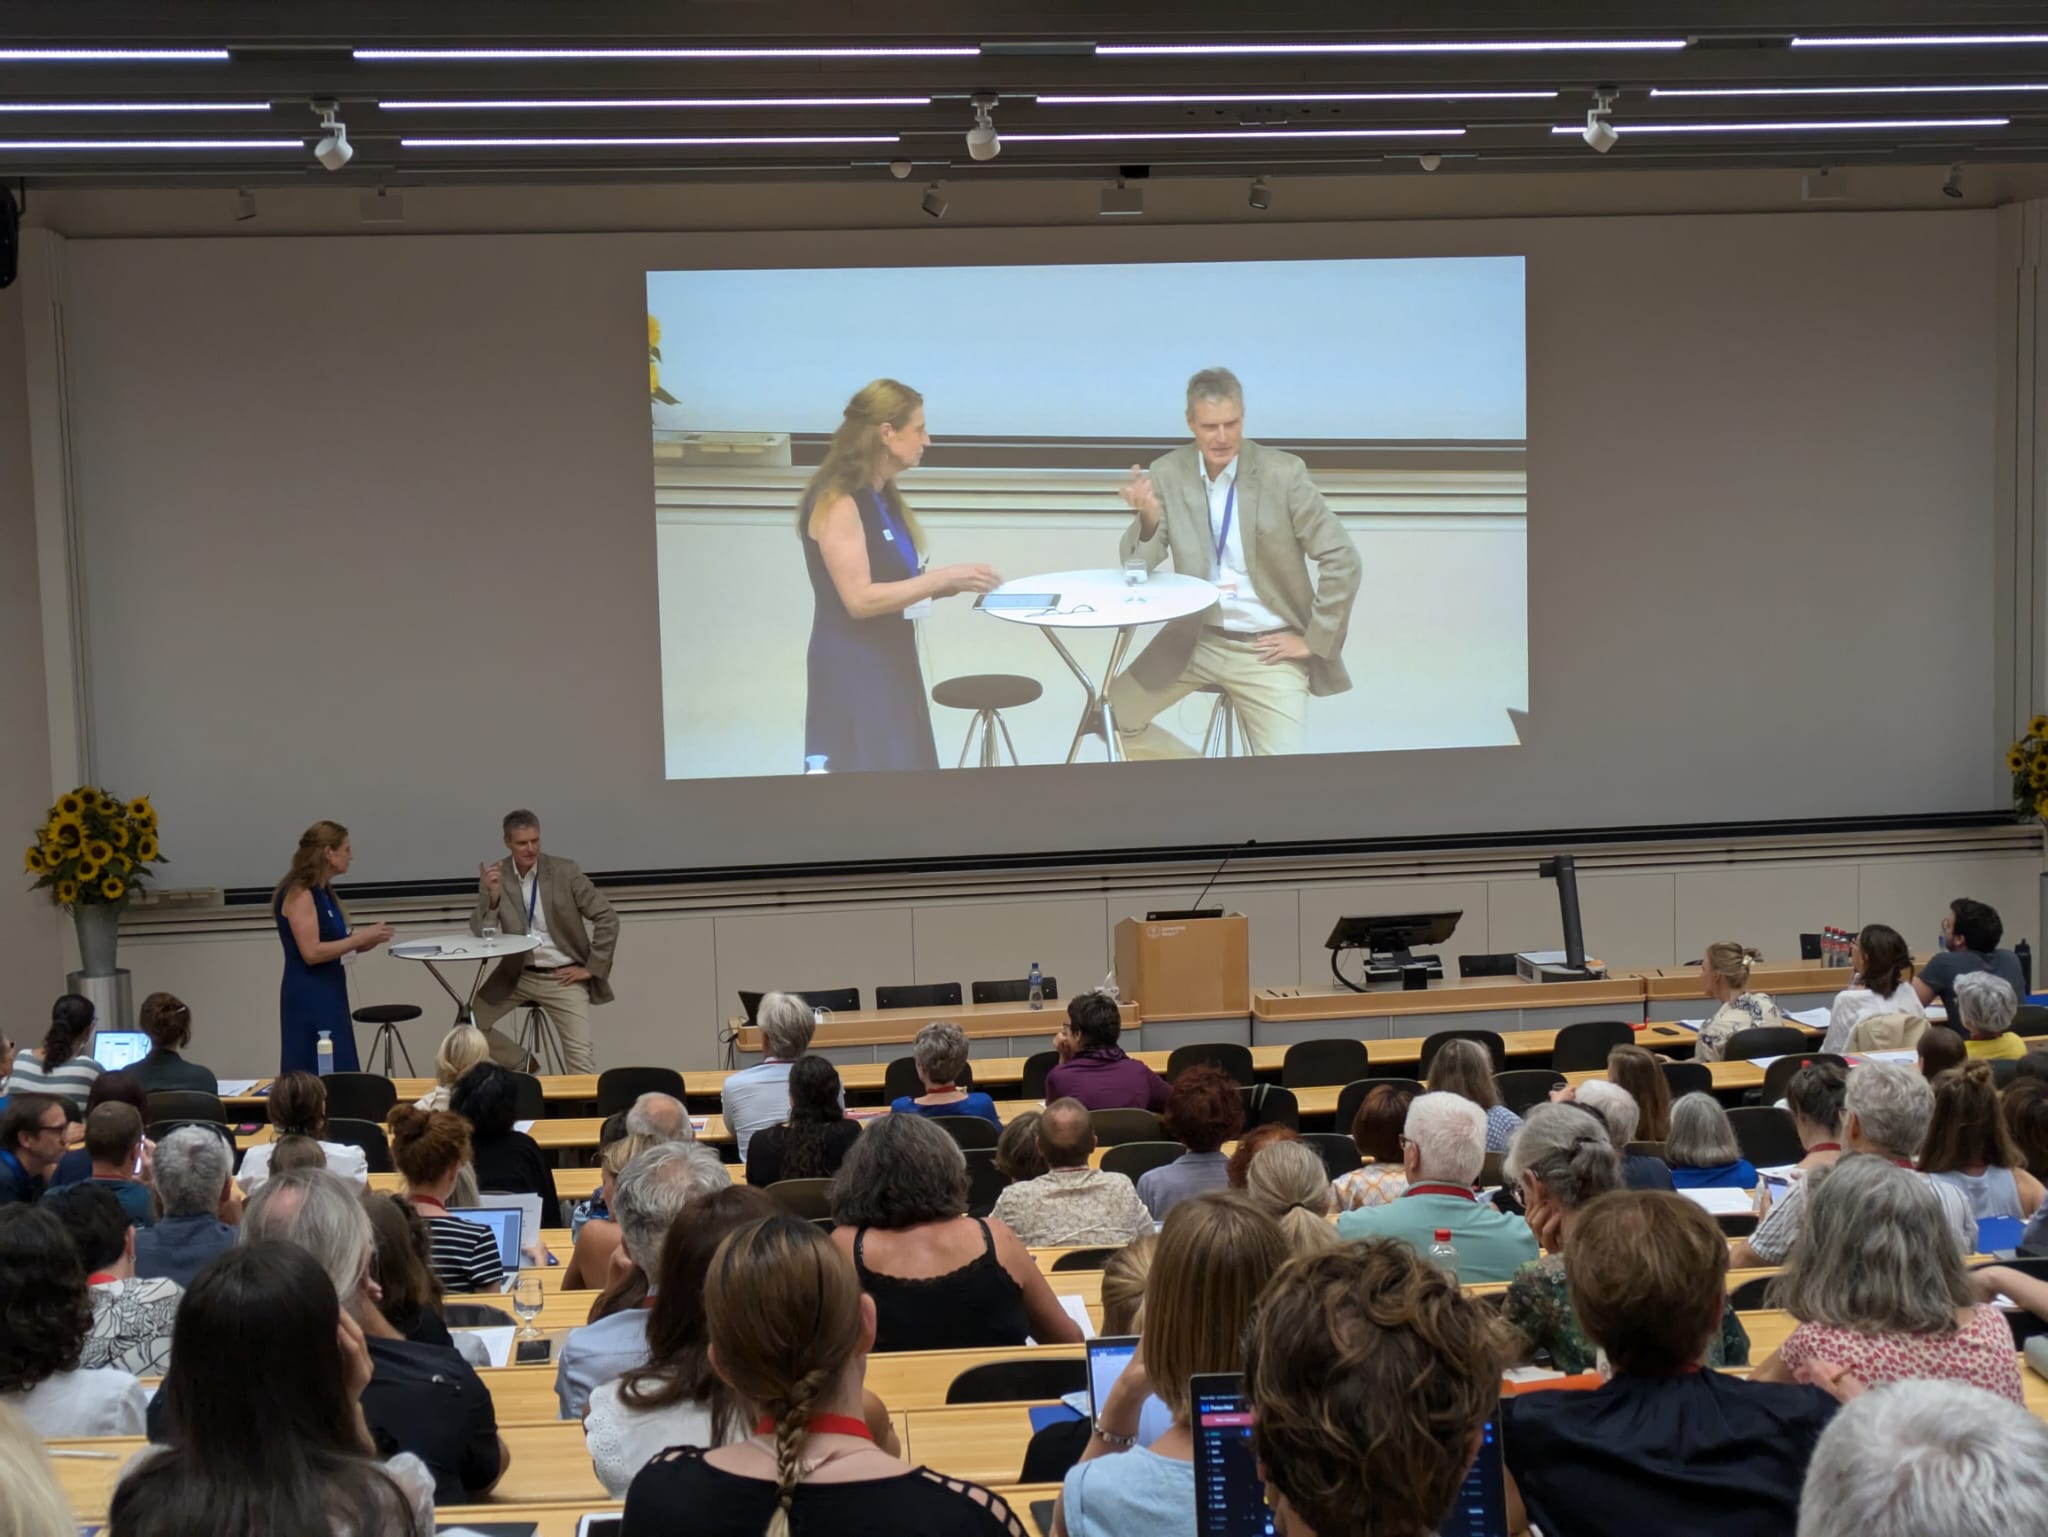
(1953, 187)
(1599, 132)
(933, 202)
(982, 142)
(333, 151)
(1261, 195)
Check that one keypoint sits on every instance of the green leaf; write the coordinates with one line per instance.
(665, 397)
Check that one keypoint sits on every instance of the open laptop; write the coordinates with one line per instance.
(506, 1224)
(116, 1049)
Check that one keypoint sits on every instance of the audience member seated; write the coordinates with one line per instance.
(2024, 1105)
(298, 1107)
(1443, 1143)
(1701, 1149)
(131, 1319)
(1376, 1131)
(1216, 1254)
(1880, 1292)
(296, 1152)
(263, 1421)
(940, 1279)
(1968, 944)
(1290, 1183)
(195, 1182)
(462, 1048)
(45, 1318)
(1204, 1110)
(1642, 1074)
(757, 1097)
(597, 1238)
(1018, 1155)
(611, 1130)
(653, 1190)
(1885, 1110)
(1124, 1275)
(660, 1118)
(1725, 974)
(1662, 1445)
(1093, 1068)
(1371, 1379)
(118, 1162)
(1881, 982)
(813, 1142)
(32, 1503)
(32, 1132)
(940, 1054)
(1987, 1007)
(1466, 1068)
(122, 1088)
(1071, 1205)
(507, 1161)
(1939, 1049)
(423, 1399)
(1814, 1098)
(1968, 1145)
(168, 1024)
(674, 1398)
(402, 1265)
(1248, 1145)
(430, 1149)
(1920, 1458)
(1616, 1108)
(790, 1332)
(60, 1068)
(1561, 1160)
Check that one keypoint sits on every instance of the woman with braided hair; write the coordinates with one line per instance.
(789, 1333)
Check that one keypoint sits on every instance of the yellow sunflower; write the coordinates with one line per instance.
(87, 869)
(34, 862)
(2039, 772)
(141, 810)
(72, 805)
(2038, 726)
(653, 332)
(2015, 756)
(123, 863)
(99, 851)
(119, 834)
(68, 834)
(67, 892)
(112, 889)
(145, 848)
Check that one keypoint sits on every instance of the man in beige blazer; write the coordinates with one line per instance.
(571, 968)
(1249, 519)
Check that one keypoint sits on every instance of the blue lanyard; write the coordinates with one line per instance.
(896, 534)
(1229, 510)
(534, 897)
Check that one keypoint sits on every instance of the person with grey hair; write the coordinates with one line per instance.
(940, 1052)
(1928, 1459)
(1885, 1110)
(195, 1181)
(1987, 1007)
(1619, 1112)
(652, 1191)
(1443, 1143)
(662, 1117)
(1701, 1149)
(757, 1097)
(1562, 1158)
(1249, 519)
(940, 1279)
(1879, 1290)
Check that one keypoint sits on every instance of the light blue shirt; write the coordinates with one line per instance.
(1191, 1174)
(755, 1099)
(1137, 1493)
(596, 1354)
(1491, 1245)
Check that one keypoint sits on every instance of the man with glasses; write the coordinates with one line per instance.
(31, 1142)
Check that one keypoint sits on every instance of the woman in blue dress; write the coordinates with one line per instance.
(316, 936)
(866, 706)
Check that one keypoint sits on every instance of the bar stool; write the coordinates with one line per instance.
(1223, 731)
(988, 694)
(387, 1017)
(540, 1040)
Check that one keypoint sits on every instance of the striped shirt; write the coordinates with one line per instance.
(70, 1081)
(465, 1255)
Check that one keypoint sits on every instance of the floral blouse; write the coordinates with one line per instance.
(1377, 1184)
(1539, 1304)
(1748, 1011)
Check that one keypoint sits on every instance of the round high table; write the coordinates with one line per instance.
(1099, 600)
(433, 949)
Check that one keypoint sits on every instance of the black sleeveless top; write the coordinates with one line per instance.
(980, 1304)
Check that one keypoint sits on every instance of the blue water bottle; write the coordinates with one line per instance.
(1037, 987)
(323, 1054)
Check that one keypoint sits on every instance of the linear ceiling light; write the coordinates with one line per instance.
(1842, 90)
(1631, 130)
(12, 145)
(651, 103)
(665, 142)
(400, 55)
(1926, 40)
(1284, 95)
(110, 55)
(1548, 45)
(1212, 135)
(134, 106)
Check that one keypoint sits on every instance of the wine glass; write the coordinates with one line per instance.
(527, 1301)
(489, 927)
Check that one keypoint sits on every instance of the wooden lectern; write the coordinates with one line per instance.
(1185, 968)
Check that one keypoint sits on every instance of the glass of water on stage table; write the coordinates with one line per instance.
(1136, 574)
(489, 927)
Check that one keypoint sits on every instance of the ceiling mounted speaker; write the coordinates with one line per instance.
(10, 237)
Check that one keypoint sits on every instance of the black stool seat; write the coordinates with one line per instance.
(986, 691)
(385, 1013)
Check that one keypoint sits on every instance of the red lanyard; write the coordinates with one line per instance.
(1825, 1147)
(1457, 1190)
(821, 1425)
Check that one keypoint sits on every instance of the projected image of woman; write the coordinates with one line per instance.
(866, 707)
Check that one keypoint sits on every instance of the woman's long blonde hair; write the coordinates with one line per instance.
(1289, 1182)
(856, 454)
(1730, 961)
(462, 1048)
(309, 862)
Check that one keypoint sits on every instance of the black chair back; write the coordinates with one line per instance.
(1086, 1259)
(1522, 1088)
(840, 1000)
(1118, 1126)
(968, 1130)
(1751, 1294)
(1018, 991)
(1736, 1224)
(528, 1103)
(360, 1096)
(806, 1198)
(1583, 1047)
(1353, 1094)
(1035, 1381)
(1233, 1059)
(187, 1105)
(984, 1180)
(156, 1131)
(1767, 1041)
(1780, 1072)
(1314, 1064)
(476, 1315)
(1687, 1077)
(368, 1136)
(1496, 1048)
(900, 1080)
(2004, 1070)
(2031, 1019)
(1036, 1066)
(1267, 1104)
(618, 1087)
(1766, 1135)
(919, 995)
(1132, 1159)
(1492, 1171)
(1339, 1153)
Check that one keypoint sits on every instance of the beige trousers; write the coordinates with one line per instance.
(568, 1007)
(1271, 701)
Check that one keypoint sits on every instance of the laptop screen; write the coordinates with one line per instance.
(503, 1221)
(116, 1049)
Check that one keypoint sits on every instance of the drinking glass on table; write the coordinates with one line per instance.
(1136, 574)
(489, 926)
(527, 1301)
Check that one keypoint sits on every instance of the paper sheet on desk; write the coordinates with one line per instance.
(497, 1341)
(1077, 1310)
(1694, 1025)
(229, 1088)
(1887, 1056)
(525, 1126)
(1721, 1200)
(1813, 1019)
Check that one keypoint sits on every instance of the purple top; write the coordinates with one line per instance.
(1107, 1079)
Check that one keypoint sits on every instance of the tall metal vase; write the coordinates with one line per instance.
(99, 931)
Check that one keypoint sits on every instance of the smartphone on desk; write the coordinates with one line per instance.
(533, 1352)
(601, 1523)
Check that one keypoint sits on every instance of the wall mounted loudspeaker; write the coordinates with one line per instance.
(10, 237)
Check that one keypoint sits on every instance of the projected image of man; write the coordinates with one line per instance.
(1249, 519)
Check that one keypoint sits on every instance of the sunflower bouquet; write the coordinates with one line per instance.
(2028, 760)
(94, 849)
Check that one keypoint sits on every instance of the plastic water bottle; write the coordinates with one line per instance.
(323, 1054)
(1037, 987)
(814, 763)
(1444, 1254)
